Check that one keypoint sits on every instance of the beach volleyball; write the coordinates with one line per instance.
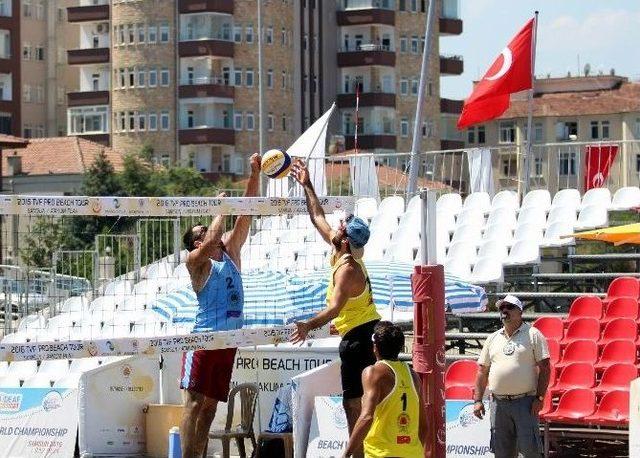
(276, 164)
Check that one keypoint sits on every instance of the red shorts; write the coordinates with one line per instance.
(208, 372)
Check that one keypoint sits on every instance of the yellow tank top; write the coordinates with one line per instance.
(358, 310)
(395, 428)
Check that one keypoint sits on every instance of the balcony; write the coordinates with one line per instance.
(88, 56)
(202, 135)
(367, 54)
(371, 141)
(451, 106)
(367, 99)
(205, 6)
(450, 26)
(217, 48)
(79, 99)
(451, 65)
(366, 16)
(89, 13)
(451, 144)
(205, 87)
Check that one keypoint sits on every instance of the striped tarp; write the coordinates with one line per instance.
(273, 298)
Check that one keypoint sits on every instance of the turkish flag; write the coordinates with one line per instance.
(509, 73)
(597, 164)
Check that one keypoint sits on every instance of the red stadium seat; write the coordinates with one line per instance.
(461, 373)
(554, 351)
(579, 351)
(551, 327)
(617, 377)
(585, 307)
(621, 307)
(458, 392)
(623, 287)
(547, 406)
(619, 329)
(575, 375)
(582, 328)
(618, 351)
(613, 409)
(574, 405)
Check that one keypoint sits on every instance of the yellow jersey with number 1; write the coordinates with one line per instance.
(395, 428)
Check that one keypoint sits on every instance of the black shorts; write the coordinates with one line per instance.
(356, 353)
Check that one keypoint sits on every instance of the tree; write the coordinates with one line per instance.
(46, 236)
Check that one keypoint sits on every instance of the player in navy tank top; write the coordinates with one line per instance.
(213, 263)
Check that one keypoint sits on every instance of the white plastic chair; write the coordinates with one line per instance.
(532, 215)
(500, 232)
(566, 198)
(478, 200)
(402, 252)
(118, 287)
(463, 251)
(106, 304)
(38, 380)
(273, 222)
(181, 270)
(23, 369)
(626, 198)
(467, 232)
(300, 222)
(553, 235)
(528, 231)
(146, 330)
(596, 196)
(384, 222)
(562, 214)
(366, 207)
(150, 287)
(449, 202)
(473, 216)
(75, 304)
(10, 381)
(392, 205)
(442, 237)
(314, 257)
(159, 270)
(54, 366)
(488, 269)
(506, 198)
(266, 237)
(413, 206)
(15, 337)
(502, 215)
(458, 268)
(4, 366)
(493, 248)
(591, 217)
(537, 198)
(83, 365)
(523, 252)
(68, 381)
(32, 322)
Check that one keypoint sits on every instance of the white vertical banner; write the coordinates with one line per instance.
(364, 177)
(480, 170)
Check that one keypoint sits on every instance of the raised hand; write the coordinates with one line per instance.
(300, 172)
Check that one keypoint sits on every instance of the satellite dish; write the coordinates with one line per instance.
(587, 69)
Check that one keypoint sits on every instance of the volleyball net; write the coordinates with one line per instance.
(106, 276)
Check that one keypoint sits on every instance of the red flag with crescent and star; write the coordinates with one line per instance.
(509, 73)
(597, 165)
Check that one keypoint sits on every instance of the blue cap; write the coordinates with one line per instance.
(357, 232)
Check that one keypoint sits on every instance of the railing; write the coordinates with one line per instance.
(205, 34)
(367, 47)
(368, 129)
(199, 124)
(347, 5)
(200, 80)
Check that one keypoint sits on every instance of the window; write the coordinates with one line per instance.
(284, 79)
(414, 5)
(153, 77)
(27, 8)
(565, 130)
(507, 132)
(26, 51)
(269, 35)
(270, 122)
(605, 130)
(404, 87)
(142, 77)
(62, 15)
(83, 120)
(638, 163)
(284, 122)
(482, 136)
(121, 34)
(132, 77)
(164, 77)
(39, 94)
(123, 78)
(237, 121)
(237, 77)
(61, 95)
(164, 32)
(164, 120)
(414, 45)
(471, 135)
(248, 34)
(403, 44)
(537, 166)
(567, 163)
(27, 131)
(26, 93)
(283, 37)
(637, 128)
(153, 121)
(404, 127)
(142, 121)
(152, 34)
(131, 121)
(248, 77)
(250, 121)
(142, 33)
(509, 167)
(594, 130)
(39, 53)
(131, 34)
(270, 78)
(414, 87)
(538, 132)
(237, 33)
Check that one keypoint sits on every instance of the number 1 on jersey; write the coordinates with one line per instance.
(403, 398)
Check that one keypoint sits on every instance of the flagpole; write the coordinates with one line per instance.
(528, 153)
(415, 145)
(355, 137)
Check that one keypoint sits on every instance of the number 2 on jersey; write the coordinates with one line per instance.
(229, 281)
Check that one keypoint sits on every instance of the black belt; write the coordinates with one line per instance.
(509, 397)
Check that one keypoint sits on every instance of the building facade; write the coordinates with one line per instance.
(181, 77)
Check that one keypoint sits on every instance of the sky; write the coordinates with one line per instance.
(603, 33)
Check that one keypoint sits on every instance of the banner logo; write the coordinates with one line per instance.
(52, 401)
(10, 402)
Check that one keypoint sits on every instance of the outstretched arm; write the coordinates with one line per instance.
(211, 244)
(243, 223)
(370, 401)
(300, 172)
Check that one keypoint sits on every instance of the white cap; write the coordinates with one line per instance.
(511, 299)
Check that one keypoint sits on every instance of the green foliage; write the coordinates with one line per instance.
(46, 237)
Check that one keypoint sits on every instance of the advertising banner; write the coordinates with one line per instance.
(467, 436)
(329, 432)
(38, 422)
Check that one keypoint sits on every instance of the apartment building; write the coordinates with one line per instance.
(182, 76)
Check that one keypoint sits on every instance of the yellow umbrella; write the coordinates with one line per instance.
(618, 235)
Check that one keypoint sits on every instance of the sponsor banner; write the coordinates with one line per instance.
(164, 206)
(467, 435)
(149, 346)
(38, 422)
(329, 433)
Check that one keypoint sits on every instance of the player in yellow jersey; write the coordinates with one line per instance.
(349, 298)
(393, 421)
